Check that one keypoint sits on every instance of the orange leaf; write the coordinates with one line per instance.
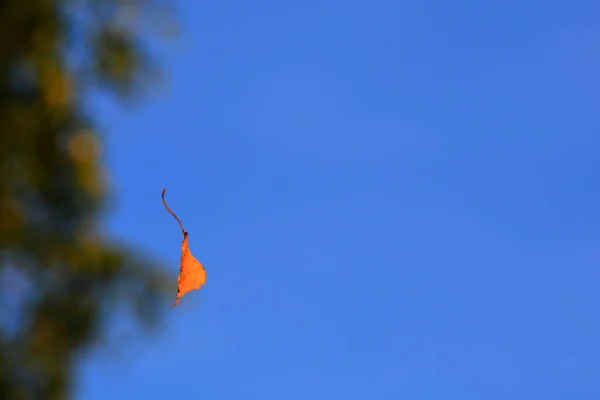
(192, 274)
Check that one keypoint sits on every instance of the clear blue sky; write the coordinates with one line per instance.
(393, 200)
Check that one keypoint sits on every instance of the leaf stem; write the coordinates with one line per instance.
(172, 213)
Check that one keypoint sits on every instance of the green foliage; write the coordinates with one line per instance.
(60, 277)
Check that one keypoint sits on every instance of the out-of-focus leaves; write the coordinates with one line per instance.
(61, 278)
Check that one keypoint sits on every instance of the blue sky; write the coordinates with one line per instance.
(392, 200)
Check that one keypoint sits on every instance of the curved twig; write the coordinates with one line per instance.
(171, 211)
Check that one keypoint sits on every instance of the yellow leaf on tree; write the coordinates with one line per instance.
(192, 274)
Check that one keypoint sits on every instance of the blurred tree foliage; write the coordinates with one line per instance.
(61, 278)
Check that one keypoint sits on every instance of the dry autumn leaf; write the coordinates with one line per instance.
(192, 274)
